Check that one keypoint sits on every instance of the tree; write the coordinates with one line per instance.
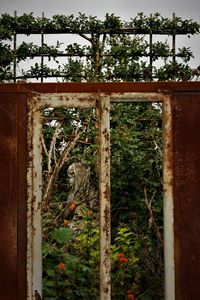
(112, 49)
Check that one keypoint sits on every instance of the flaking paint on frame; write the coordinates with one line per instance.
(39, 101)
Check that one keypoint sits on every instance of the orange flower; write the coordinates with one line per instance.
(123, 260)
(120, 255)
(61, 266)
(72, 206)
(131, 296)
(66, 223)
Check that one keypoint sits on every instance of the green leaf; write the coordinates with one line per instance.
(51, 273)
(61, 235)
(50, 283)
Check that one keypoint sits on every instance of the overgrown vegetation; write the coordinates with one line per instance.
(71, 248)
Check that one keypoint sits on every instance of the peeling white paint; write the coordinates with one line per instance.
(36, 103)
(169, 270)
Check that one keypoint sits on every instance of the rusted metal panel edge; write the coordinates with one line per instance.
(169, 263)
(22, 194)
(8, 197)
(186, 168)
(29, 196)
(108, 87)
(104, 197)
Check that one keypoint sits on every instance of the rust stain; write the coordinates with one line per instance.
(13, 198)
(184, 163)
(104, 192)
(186, 137)
(168, 200)
(107, 88)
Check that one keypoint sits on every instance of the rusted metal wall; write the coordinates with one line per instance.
(110, 87)
(181, 117)
(12, 197)
(186, 190)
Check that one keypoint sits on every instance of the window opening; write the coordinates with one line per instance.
(46, 112)
(70, 223)
(137, 201)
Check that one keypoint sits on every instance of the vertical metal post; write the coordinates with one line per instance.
(104, 197)
(174, 43)
(168, 202)
(14, 51)
(42, 45)
(150, 47)
(34, 180)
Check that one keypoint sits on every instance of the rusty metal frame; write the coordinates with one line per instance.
(104, 196)
(102, 101)
(169, 262)
(37, 102)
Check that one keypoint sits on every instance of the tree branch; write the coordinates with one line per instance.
(52, 147)
(62, 159)
(152, 220)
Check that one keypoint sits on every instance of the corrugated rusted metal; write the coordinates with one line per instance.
(12, 197)
(186, 189)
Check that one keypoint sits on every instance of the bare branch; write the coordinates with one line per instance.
(62, 159)
(85, 37)
(52, 146)
(103, 43)
(157, 148)
(152, 220)
(44, 146)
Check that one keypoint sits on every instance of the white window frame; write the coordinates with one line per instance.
(101, 101)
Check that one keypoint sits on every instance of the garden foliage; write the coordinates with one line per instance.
(71, 248)
(106, 50)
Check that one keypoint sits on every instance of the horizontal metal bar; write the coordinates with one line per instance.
(103, 55)
(69, 100)
(109, 88)
(127, 31)
(137, 97)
